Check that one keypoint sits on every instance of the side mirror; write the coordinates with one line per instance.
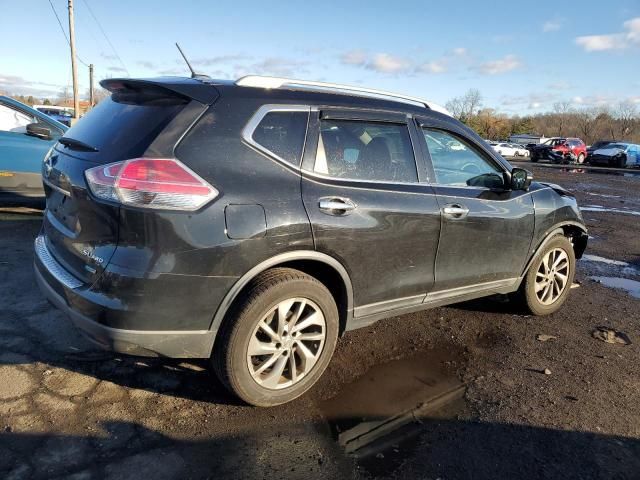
(39, 130)
(520, 179)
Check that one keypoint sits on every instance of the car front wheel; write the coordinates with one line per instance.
(279, 340)
(581, 158)
(550, 276)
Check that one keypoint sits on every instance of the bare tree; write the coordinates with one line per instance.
(561, 111)
(626, 113)
(587, 122)
(466, 106)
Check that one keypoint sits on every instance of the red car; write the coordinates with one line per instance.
(559, 150)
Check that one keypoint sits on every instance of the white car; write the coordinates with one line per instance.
(507, 150)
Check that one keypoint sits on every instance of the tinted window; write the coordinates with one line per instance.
(283, 133)
(123, 126)
(463, 166)
(365, 151)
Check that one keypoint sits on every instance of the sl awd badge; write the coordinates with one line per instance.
(89, 254)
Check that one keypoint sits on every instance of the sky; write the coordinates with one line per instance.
(523, 58)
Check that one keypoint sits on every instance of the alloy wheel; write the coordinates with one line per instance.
(552, 276)
(286, 343)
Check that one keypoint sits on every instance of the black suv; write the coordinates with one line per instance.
(252, 222)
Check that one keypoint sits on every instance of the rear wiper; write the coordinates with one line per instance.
(76, 144)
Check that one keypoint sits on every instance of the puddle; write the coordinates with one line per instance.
(377, 418)
(599, 208)
(631, 286)
(604, 265)
(602, 195)
(608, 261)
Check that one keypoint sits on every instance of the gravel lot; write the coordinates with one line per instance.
(67, 410)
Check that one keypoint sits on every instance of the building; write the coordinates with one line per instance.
(525, 138)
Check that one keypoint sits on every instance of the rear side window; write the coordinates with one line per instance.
(123, 126)
(282, 133)
(365, 151)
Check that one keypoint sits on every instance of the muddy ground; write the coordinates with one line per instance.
(69, 411)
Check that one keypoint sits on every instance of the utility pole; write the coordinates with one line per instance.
(74, 69)
(91, 98)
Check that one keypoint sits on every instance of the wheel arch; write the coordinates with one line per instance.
(319, 265)
(576, 233)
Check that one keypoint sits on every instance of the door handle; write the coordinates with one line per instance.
(455, 211)
(336, 205)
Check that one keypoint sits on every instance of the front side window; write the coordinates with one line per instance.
(359, 150)
(282, 133)
(12, 120)
(464, 166)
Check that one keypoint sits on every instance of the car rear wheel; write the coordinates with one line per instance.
(550, 276)
(279, 340)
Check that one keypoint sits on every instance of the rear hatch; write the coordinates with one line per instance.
(141, 118)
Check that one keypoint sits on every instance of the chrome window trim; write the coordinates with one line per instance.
(52, 265)
(256, 118)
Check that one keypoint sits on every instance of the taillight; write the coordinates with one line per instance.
(162, 183)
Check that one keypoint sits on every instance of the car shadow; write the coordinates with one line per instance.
(451, 449)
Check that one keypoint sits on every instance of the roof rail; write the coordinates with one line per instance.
(260, 81)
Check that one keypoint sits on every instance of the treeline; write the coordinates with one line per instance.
(616, 122)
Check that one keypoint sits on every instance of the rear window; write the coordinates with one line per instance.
(123, 126)
(283, 133)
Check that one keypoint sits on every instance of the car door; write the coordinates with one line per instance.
(21, 154)
(370, 206)
(486, 229)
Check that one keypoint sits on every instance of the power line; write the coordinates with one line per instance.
(65, 33)
(105, 36)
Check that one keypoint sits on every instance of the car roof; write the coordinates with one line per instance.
(206, 90)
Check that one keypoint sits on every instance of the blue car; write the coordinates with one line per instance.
(26, 136)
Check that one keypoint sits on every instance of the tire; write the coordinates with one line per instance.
(620, 161)
(531, 298)
(264, 298)
(534, 159)
(581, 158)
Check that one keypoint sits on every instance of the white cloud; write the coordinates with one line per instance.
(15, 85)
(532, 100)
(385, 63)
(436, 66)
(614, 41)
(496, 67)
(552, 25)
(354, 57)
(392, 64)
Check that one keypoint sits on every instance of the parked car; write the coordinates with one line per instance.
(511, 150)
(504, 149)
(618, 155)
(25, 137)
(63, 115)
(253, 222)
(559, 150)
(597, 145)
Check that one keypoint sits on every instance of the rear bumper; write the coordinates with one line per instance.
(81, 306)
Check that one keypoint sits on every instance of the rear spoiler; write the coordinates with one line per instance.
(187, 88)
